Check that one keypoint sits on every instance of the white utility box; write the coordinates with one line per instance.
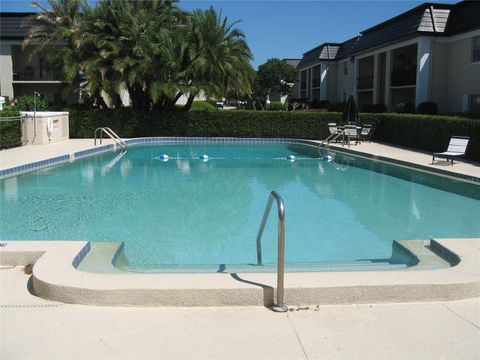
(44, 127)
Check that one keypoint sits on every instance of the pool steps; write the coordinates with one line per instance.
(56, 277)
(108, 257)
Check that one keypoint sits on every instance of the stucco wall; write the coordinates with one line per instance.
(439, 77)
(344, 82)
(463, 77)
(6, 73)
(331, 82)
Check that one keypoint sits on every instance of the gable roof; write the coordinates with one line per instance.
(426, 19)
(326, 51)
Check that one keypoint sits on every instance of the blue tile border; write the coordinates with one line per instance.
(18, 170)
(79, 257)
(21, 169)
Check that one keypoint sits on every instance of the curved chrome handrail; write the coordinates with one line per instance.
(111, 134)
(279, 306)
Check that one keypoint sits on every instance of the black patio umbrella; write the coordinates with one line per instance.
(350, 113)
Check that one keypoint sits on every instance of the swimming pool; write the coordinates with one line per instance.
(192, 213)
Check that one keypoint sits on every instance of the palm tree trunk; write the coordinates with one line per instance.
(189, 103)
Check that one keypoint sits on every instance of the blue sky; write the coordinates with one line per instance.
(287, 29)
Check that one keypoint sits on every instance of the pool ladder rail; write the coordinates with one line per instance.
(112, 135)
(279, 306)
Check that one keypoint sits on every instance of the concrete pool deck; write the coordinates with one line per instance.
(34, 328)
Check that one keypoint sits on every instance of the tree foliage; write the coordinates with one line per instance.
(150, 48)
(275, 77)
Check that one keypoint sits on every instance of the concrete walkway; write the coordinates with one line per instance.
(31, 153)
(414, 156)
(33, 328)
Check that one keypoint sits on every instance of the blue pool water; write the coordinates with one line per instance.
(188, 212)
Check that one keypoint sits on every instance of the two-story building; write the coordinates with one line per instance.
(21, 72)
(430, 53)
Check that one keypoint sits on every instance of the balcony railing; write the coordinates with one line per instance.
(28, 74)
(365, 82)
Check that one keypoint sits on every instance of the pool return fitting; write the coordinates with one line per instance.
(279, 306)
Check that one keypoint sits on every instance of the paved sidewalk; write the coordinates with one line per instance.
(31, 153)
(33, 328)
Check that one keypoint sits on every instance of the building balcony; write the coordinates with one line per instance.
(28, 74)
(365, 82)
(404, 78)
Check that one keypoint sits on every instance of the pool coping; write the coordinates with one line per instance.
(56, 277)
(97, 150)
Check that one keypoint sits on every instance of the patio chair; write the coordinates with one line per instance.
(351, 132)
(456, 148)
(334, 132)
(366, 132)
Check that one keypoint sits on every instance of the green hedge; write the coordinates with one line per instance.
(238, 123)
(10, 131)
(423, 132)
(430, 133)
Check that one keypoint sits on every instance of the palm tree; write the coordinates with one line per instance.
(136, 44)
(60, 25)
(218, 56)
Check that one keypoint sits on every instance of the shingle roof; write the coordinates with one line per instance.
(464, 16)
(11, 26)
(347, 48)
(428, 18)
(405, 26)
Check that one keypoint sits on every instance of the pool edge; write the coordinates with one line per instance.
(56, 278)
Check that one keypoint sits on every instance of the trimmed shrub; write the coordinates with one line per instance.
(26, 103)
(430, 133)
(202, 106)
(427, 107)
(276, 106)
(319, 104)
(405, 108)
(374, 108)
(423, 132)
(10, 131)
(240, 123)
(336, 106)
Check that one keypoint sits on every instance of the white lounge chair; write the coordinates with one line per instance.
(456, 148)
(334, 131)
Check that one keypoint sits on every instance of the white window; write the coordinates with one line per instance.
(476, 49)
(474, 103)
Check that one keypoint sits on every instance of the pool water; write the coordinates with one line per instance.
(189, 212)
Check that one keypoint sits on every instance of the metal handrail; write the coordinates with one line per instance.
(110, 134)
(279, 306)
